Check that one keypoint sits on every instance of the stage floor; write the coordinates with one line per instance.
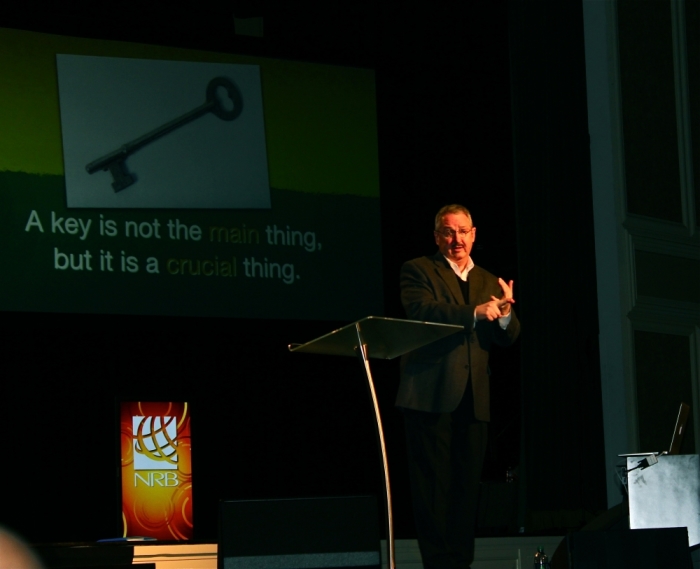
(491, 553)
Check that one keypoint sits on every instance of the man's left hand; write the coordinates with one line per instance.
(507, 299)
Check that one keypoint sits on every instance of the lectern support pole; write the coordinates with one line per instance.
(364, 362)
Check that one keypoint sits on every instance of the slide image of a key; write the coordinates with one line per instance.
(161, 134)
(114, 162)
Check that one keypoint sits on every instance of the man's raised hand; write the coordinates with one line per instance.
(507, 299)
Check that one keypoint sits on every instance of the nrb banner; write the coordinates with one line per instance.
(156, 470)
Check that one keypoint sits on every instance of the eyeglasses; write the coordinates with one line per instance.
(450, 233)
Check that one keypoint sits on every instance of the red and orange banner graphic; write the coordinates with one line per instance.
(156, 470)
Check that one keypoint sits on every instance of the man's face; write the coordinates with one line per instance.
(455, 237)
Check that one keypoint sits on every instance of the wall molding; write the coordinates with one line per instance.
(665, 316)
(665, 232)
(685, 144)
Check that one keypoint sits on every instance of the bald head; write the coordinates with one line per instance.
(15, 554)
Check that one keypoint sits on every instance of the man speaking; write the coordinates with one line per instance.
(444, 389)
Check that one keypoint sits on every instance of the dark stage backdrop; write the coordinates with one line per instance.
(562, 424)
(266, 423)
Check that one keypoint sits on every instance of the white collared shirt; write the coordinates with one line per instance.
(462, 274)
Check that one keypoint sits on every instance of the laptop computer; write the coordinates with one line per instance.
(676, 439)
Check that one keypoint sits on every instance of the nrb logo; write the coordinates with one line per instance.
(155, 443)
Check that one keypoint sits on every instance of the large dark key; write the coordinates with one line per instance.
(114, 161)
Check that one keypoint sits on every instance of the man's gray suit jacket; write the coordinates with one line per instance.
(434, 377)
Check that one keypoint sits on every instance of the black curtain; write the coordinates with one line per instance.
(563, 467)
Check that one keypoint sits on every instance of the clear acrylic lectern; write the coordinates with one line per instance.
(383, 338)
